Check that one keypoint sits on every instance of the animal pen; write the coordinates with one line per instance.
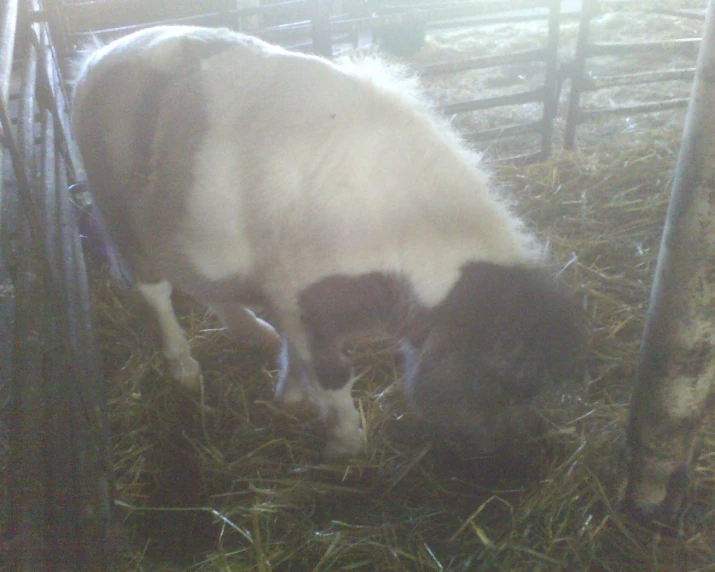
(107, 465)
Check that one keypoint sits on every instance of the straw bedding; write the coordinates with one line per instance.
(240, 484)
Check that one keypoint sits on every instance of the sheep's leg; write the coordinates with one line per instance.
(320, 371)
(184, 368)
(328, 382)
(247, 329)
(334, 309)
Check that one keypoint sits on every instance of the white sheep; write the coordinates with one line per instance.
(330, 194)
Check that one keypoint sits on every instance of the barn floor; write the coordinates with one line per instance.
(243, 486)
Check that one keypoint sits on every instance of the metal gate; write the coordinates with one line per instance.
(58, 470)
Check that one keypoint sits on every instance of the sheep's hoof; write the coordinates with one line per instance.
(345, 446)
(187, 372)
(293, 394)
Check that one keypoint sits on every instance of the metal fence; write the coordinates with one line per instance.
(582, 81)
(58, 472)
(329, 26)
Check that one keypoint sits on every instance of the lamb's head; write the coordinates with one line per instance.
(503, 339)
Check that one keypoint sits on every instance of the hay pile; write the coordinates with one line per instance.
(243, 486)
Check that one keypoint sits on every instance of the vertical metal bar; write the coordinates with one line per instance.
(60, 478)
(551, 80)
(320, 23)
(577, 72)
(82, 476)
(47, 173)
(26, 517)
(93, 480)
(8, 27)
(676, 371)
(29, 448)
(62, 507)
(57, 25)
(72, 475)
(58, 101)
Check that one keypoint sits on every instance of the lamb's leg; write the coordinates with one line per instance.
(184, 368)
(334, 374)
(327, 381)
(342, 420)
(296, 374)
(247, 329)
(313, 366)
(322, 373)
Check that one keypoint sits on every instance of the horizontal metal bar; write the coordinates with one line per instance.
(476, 8)
(90, 16)
(433, 17)
(586, 115)
(503, 132)
(484, 7)
(84, 9)
(307, 46)
(340, 23)
(489, 102)
(481, 63)
(596, 82)
(691, 14)
(491, 20)
(524, 159)
(90, 33)
(610, 49)
(639, 5)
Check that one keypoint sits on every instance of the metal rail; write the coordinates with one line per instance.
(676, 372)
(59, 474)
(585, 49)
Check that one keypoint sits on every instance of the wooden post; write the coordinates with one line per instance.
(677, 363)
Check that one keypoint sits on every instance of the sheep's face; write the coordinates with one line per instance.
(503, 339)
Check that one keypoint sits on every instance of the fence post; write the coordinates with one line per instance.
(320, 21)
(577, 72)
(676, 371)
(551, 95)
